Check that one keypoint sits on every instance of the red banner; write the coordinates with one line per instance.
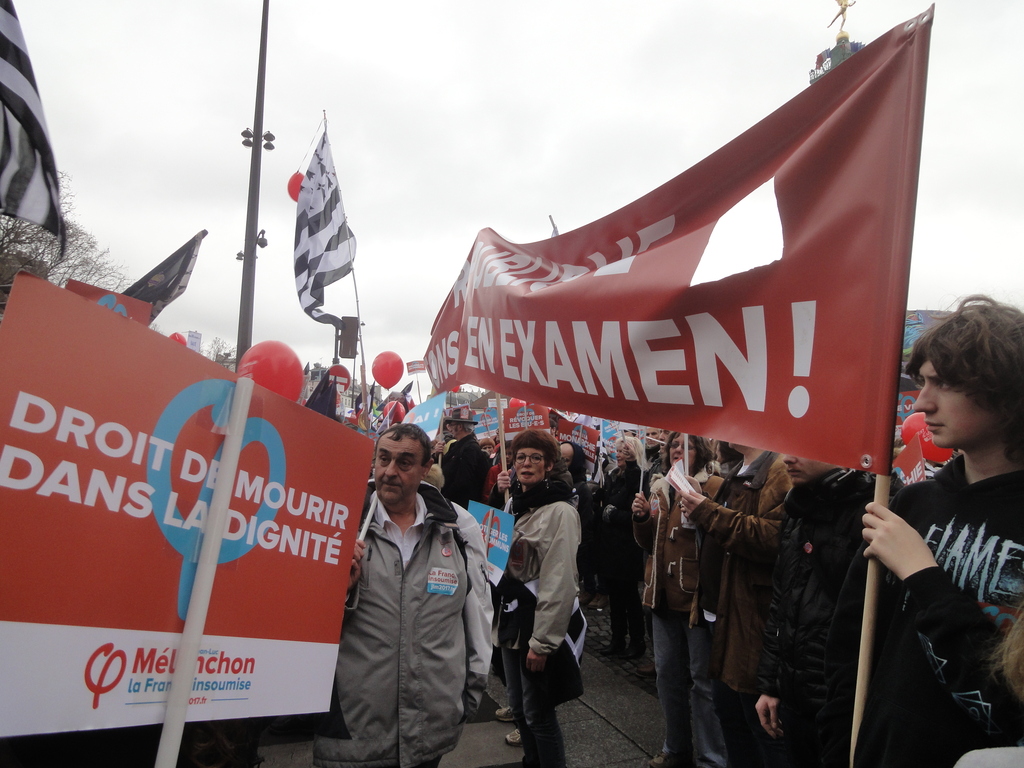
(799, 355)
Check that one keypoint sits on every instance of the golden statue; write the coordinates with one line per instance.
(843, 5)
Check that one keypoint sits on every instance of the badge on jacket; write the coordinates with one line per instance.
(442, 581)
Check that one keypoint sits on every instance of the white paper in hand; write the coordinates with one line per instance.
(677, 478)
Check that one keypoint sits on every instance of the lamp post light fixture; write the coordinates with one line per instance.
(268, 139)
(261, 241)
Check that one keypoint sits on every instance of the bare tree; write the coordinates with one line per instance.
(220, 351)
(27, 246)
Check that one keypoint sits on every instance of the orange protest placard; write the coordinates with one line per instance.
(109, 442)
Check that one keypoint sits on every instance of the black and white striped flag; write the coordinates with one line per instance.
(324, 245)
(28, 174)
(168, 279)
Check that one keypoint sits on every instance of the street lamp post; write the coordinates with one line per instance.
(259, 141)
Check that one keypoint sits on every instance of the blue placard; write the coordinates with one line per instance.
(427, 415)
(487, 426)
(496, 528)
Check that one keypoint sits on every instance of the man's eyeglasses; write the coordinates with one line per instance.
(403, 461)
(531, 458)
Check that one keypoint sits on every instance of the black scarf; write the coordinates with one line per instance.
(547, 491)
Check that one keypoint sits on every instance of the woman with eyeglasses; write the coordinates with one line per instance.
(538, 598)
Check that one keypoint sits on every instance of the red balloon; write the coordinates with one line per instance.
(274, 365)
(180, 338)
(396, 409)
(914, 424)
(295, 185)
(515, 403)
(387, 369)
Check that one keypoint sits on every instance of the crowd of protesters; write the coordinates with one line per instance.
(745, 568)
(742, 569)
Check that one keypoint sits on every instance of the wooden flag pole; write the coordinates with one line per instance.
(869, 621)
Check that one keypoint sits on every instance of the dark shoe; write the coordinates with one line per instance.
(647, 670)
(615, 649)
(600, 602)
(634, 651)
(665, 760)
(586, 598)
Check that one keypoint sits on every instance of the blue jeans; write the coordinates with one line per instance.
(535, 718)
(681, 657)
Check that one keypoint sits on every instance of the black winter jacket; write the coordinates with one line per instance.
(821, 533)
(465, 468)
(620, 556)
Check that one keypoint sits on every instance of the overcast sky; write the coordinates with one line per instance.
(448, 117)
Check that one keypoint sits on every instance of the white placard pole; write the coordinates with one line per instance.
(199, 603)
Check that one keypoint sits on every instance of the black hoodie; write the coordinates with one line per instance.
(932, 696)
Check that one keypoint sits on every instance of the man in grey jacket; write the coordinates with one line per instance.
(412, 664)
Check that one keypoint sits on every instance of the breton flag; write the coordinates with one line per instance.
(29, 186)
(325, 247)
(168, 279)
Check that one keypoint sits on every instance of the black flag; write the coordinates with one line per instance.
(29, 186)
(169, 279)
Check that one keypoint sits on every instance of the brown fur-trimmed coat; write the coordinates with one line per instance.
(744, 519)
(672, 573)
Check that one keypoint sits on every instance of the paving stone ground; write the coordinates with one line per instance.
(615, 724)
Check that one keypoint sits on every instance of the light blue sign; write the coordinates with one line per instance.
(487, 425)
(496, 527)
(427, 415)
